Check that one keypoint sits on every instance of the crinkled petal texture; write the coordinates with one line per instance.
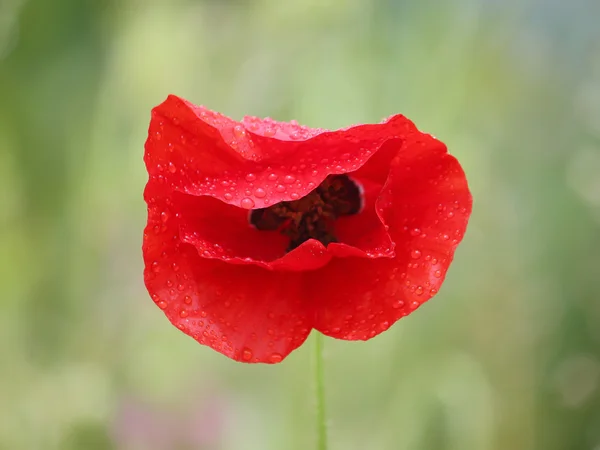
(237, 289)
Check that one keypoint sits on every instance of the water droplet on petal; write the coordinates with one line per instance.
(155, 267)
(187, 300)
(239, 131)
(162, 304)
(246, 354)
(398, 304)
(289, 179)
(183, 313)
(415, 232)
(272, 177)
(260, 193)
(247, 203)
(276, 358)
(228, 196)
(250, 177)
(172, 167)
(415, 254)
(437, 274)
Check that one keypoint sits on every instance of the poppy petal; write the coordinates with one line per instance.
(426, 203)
(199, 152)
(221, 231)
(246, 313)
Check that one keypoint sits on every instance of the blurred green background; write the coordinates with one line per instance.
(507, 356)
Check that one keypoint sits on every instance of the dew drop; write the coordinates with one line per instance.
(437, 274)
(415, 254)
(384, 325)
(419, 290)
(239, 131)
(172, 167)
(183, 313)
(398, 304)
(246, 354)
(187, 300)
(162, 304)
(260, 193)
(276, 358)
(228, 196)
(289, 179)
(280, 188)
(272, 177)
(250, 177)
(415, 232)
(155, 267)
(164, 216)
(247, 203)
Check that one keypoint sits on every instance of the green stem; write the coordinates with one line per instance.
(320, 391)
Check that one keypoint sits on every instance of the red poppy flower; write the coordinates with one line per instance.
(259, 231)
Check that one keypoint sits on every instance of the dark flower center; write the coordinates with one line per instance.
(312, 216)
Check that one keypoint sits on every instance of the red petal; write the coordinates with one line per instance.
(426, 203)
(196, 151)
(221, 231)
(246, 313)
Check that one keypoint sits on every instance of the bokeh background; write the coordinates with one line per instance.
(507, 356)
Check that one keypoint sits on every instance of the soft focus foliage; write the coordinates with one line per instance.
(507, 356)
